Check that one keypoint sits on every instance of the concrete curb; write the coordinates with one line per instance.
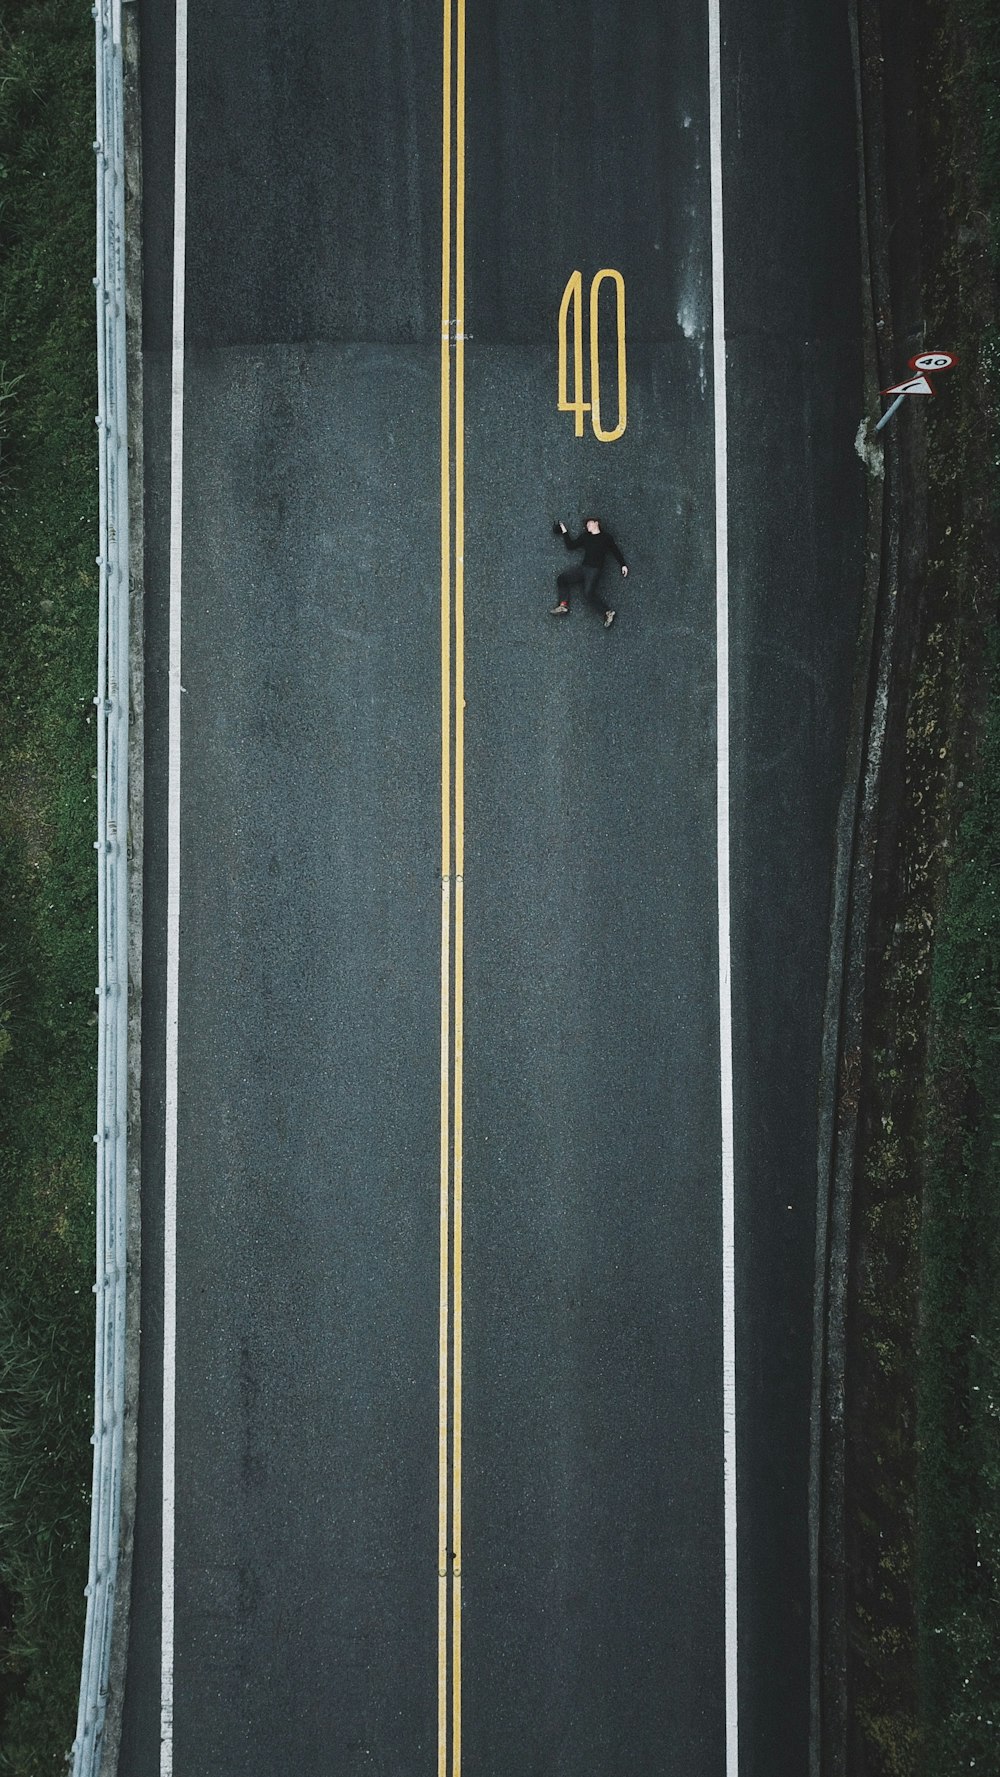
(854, 872)
(133, 357)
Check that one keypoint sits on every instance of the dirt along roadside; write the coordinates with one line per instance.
(922, 1375)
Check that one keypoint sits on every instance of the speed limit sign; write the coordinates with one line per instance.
(933, 361)
(920, 383)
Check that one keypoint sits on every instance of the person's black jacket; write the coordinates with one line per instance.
(595, 548)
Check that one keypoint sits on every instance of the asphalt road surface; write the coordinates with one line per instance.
(309, 1114)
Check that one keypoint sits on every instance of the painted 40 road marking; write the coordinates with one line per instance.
(572, 306)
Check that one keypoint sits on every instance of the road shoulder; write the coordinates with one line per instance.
(926, 697)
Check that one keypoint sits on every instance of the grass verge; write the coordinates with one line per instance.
(48, 622)
(924, 1350)
(959, 1374)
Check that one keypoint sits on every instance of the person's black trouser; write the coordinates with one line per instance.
(586, 578)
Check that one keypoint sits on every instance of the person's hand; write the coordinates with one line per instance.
(562, 527)
(624, 572)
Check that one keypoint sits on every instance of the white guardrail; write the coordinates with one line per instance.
(112, 703)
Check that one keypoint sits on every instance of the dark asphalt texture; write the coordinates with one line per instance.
(308, 1137)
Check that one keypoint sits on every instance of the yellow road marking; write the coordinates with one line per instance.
(444, 1194)
(460, 451)
(452, 942)
(446, 451)
(456, 1500)
(443, 1348)
(572, 304)
(605, 436)
(456, 1482)
(572, 296)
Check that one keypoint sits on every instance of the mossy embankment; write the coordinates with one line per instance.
(48, 650)
(923, 1380)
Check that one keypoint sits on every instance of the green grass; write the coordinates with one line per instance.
(885, 1260)
(48, 627)
(983, 18)
(959, 1379)
(924, 1367)
(958, 1372)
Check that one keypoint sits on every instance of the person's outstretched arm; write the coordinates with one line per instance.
(570, 542)
(616, 552)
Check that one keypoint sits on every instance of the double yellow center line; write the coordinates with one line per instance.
(452, 885)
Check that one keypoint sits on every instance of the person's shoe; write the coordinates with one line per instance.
(609, 617)
(561, 610)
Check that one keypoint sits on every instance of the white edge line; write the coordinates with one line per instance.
(173, 907)
(722, 835)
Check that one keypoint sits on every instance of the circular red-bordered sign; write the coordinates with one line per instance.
(933, 360)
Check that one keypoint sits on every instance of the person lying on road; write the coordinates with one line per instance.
(597, 545)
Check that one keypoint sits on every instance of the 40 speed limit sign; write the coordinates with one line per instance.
(920, 384)
(922, 362)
